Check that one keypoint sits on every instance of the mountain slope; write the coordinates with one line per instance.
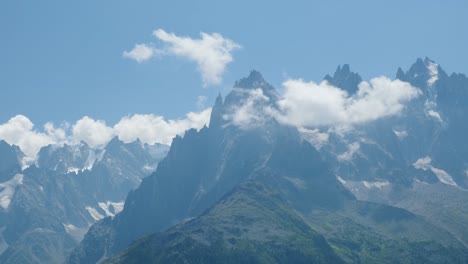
(250, 225)
(253, 224)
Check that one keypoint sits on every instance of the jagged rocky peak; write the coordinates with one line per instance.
(253, 81)
(10, 157)
(217, 112)
(423, 73)
(219, 100)
(115, 142)
(66, 158)
(345, 79)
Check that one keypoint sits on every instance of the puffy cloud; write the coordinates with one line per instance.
(153, 128)
(20, 131)
(310, 105)
(211, 52)
(141, 52)
(307, 104)
(94, 132)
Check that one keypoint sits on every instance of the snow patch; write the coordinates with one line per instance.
(314, 136)
(70, 228)
(377, 184)
(94, 213)
(90, 160)
(341, 180)
(7, 190)
(149, 168)
(111, 208)
(88, 165)
(298, 183)
(76, 232)
(400, 134)
(72, 170)
(348, 155)
(443, 176)
(433, 69)
(425, 164)
(100, 156)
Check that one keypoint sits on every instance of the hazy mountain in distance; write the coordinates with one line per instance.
(48, 207)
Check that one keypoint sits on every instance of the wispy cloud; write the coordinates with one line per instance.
(253, 112)
(211, 52)
(201, 101)
(141, 52)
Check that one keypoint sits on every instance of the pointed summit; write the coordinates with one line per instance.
(400, 74)
(243, 88)
(253, 81)
(114, 144)
(346, 70)
(345, 79)
(219, 100)
(216, 119)
(423, 73)
(9, 162)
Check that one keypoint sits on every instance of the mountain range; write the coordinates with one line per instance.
(392, 190)
(217, 188)
(48, 207)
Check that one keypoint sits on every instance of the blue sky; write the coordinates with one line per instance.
(62, 60)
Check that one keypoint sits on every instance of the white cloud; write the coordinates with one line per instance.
(141, 52)
(253, 112)
(310, 104)
(435, 115)
(152, 128)
(94, 132)
(211, 52)
(20, 131)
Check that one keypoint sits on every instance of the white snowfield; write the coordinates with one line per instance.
(106, 209)
(8, 188)
(425, 164)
